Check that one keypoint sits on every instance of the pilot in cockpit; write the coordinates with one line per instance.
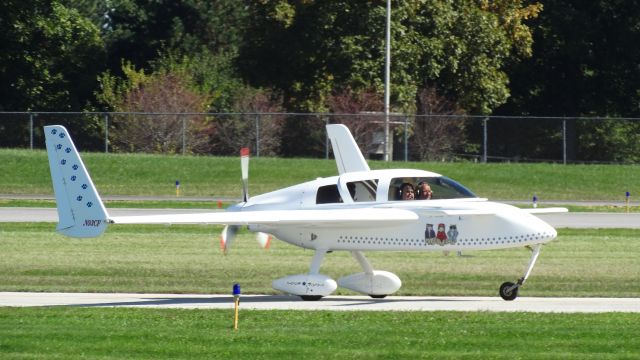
(423, 191)
(407, 192)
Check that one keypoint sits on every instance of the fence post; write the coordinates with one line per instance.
(106, 133)
(484, 139)
(257, 135)
(406, 138)
(184, 136)
(326, 139)
(564, 141)
(31, 130)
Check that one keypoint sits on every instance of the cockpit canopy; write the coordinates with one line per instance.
(441, 187)
(386, 185)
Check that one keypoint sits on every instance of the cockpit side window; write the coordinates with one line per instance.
(328, 194)
(362, 191)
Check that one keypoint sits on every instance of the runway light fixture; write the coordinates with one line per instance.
(236, 301)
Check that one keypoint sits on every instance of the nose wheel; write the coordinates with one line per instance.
(508, 290)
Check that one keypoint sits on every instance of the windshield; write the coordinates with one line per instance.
(427, 188)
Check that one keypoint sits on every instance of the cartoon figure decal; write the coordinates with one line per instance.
(441, 235)
(452, 234)
(431, 237)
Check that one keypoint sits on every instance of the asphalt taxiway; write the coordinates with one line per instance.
(330, 303)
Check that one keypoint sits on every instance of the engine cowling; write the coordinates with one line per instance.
(378, 283)
(306, 284)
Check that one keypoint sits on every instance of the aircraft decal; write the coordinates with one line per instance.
(452, 234)
(431, 237)
(94, 223)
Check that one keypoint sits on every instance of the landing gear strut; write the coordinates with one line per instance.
(509, 290)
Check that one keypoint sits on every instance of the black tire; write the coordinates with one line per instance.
(311, 297)
(506, 294)
(378, 296)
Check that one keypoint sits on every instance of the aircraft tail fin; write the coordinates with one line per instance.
(81, 212)
(348, 155)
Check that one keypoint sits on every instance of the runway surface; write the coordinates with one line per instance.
(331, 303)
(561, 220)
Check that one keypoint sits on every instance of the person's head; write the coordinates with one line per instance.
(407, 191)
(424, 191)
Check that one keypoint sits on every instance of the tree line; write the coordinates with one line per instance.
(476, 57)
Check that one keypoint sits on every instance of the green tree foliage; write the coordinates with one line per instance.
(459, 47)
(140, 30)
(181, 84)
(210, 73)
(49, 56)
(585, 63)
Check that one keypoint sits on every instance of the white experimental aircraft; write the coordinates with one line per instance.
(358, 210)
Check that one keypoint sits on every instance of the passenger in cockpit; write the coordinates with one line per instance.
(424, 191)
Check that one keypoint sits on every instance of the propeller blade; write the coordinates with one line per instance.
(264, 240)
(244, 165)
(226, 237)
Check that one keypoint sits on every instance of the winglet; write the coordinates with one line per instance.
(348, 155)
(80, 209)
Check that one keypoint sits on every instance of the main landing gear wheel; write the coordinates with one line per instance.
(509, 291)
(311, 297)
(378, 296)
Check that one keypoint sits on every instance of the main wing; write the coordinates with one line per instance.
(335, 217)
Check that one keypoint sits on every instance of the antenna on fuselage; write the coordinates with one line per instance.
(244, 166)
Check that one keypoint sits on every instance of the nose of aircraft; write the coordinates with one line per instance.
(541, 229)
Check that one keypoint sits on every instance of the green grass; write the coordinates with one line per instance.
(187, 259)
(26, 172)
(65, 333)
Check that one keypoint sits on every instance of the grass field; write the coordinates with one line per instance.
(187, 259)
(26, 172)
(64, 333)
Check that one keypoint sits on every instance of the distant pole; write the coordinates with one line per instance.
(106, 133)
(564, 141)
(257, 135)
(31, 131)
(484, 139)
(387, 71)
(184, 136)
(326, 139)
(406, 138)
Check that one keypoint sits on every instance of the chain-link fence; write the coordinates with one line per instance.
(412, 137)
